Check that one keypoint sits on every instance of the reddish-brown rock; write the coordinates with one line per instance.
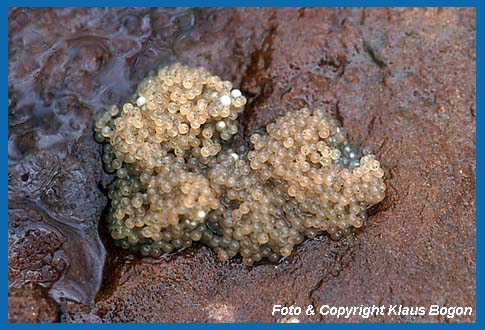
(31, 303)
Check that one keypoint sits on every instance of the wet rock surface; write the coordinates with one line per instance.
(31, 303)
(402, 81)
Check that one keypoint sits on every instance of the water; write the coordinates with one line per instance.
(65, 66)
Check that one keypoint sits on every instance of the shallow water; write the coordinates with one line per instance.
(66, 65)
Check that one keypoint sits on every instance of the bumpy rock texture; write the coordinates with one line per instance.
(400, 80)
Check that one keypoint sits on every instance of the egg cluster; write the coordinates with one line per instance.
(178, 180)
